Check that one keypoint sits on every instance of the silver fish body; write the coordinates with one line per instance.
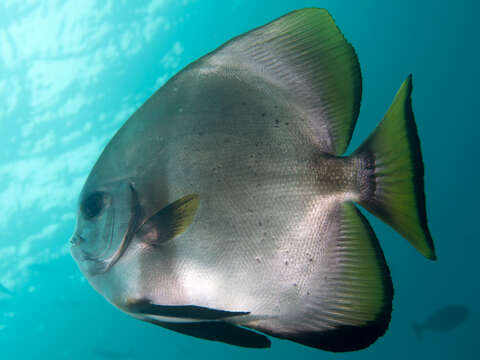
(270, 239)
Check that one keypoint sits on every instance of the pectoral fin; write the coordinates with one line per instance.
(170, 221)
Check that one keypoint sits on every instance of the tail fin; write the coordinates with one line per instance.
(417, 329)
(395, 189)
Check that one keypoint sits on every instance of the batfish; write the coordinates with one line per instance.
(224, 208)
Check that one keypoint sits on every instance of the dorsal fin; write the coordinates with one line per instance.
(305, 54)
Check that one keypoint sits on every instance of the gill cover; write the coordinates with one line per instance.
(110, 217)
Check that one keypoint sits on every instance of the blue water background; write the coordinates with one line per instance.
(71, 72)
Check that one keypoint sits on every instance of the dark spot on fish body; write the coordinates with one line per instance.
(263, 114)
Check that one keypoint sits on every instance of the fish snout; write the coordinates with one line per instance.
(76, 240)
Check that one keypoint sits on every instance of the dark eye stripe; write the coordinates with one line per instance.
(93, 205)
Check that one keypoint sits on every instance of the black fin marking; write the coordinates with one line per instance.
(181, 311)
(219, 331)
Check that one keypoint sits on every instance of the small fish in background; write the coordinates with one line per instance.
(444, 319)
(226, 203)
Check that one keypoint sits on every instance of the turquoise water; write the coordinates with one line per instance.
(72, 72)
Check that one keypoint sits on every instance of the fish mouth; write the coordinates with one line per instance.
(76, 240)
(88, 263)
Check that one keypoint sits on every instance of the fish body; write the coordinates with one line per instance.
(224, 203)
(444, 319)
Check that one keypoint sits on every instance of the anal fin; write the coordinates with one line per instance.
(349, 300)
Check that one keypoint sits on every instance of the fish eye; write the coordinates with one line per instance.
(93, 205)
